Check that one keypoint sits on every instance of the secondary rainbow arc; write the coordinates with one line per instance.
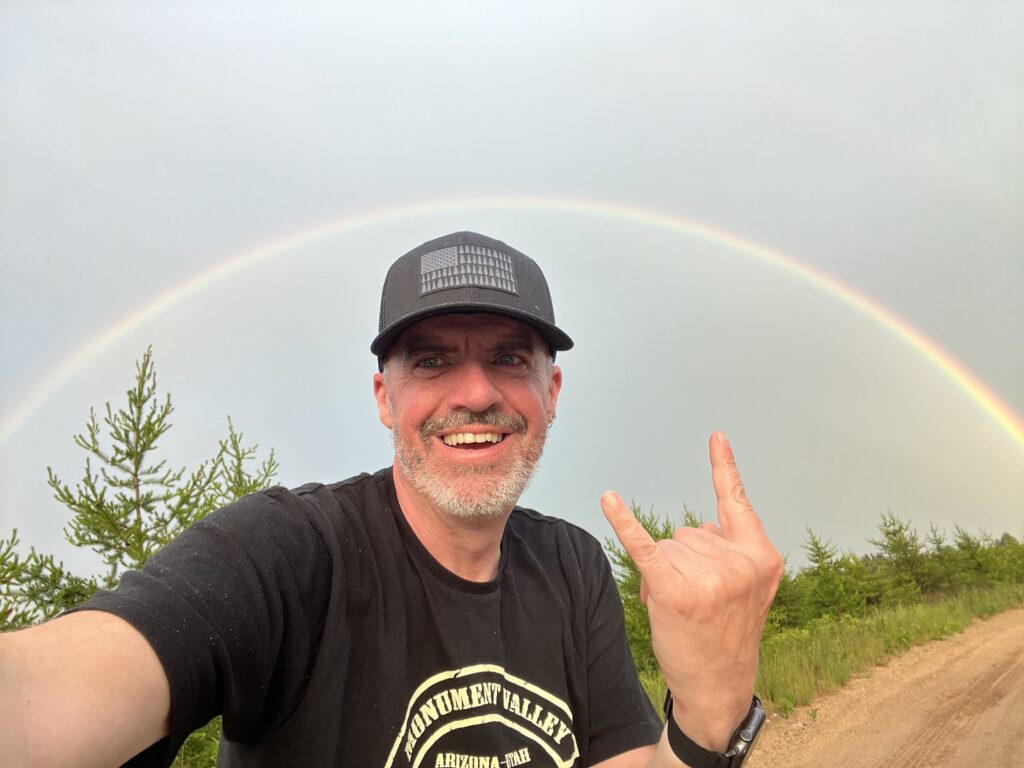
(976, 389)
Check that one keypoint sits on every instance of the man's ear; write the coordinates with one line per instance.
(554, 387)
(380, 394)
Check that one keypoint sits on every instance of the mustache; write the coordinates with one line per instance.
(505, 422)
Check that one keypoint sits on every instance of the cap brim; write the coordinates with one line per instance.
(556, 339)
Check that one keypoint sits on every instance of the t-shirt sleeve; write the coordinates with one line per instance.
(621, 715)
(234, 610)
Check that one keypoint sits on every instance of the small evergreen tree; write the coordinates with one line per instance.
(1007, 560)
(940, 562)
(903, 560)
(785, 609)
(823, 584)
(126, 507)
(833, 584)
(970, 557)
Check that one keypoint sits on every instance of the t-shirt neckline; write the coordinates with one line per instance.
(422, 555)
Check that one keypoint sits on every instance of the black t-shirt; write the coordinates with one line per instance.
(326, 635)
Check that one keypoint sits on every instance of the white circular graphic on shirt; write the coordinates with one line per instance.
(483, 717)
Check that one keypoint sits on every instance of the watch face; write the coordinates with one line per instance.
(747, 735)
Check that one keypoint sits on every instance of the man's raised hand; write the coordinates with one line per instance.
(707, 592)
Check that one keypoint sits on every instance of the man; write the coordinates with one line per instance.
(415, 617)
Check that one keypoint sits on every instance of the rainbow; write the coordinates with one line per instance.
(971, 385)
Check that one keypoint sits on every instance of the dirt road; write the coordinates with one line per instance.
(956, 702)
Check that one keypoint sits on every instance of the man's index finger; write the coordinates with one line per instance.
(634, 539)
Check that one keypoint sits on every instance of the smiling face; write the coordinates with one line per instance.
(468, 399)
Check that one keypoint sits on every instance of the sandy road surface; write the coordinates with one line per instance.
(956, 702)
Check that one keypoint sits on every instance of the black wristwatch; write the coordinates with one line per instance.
(696, 756)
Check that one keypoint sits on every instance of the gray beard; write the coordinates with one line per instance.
(488, 497)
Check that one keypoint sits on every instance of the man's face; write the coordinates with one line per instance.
(468, 399)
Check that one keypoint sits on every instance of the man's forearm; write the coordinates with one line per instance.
(82, 690)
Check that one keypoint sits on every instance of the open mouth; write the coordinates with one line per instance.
(471, 440)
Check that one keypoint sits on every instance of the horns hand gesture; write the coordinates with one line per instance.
(707, 592)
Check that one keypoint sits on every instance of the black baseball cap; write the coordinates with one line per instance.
(465, 272)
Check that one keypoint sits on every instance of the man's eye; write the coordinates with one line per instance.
(509, 359)
(429, 362)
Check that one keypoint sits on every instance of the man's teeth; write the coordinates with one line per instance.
(469, 437)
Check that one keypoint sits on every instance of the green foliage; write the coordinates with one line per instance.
(832, 584)
(126, 507)
(843, 613)
(785, 706)
(35, 587)
(200, 748)
(902, 565)
(133, 505)
(1005, 560)
(905, 570)
(940, 562)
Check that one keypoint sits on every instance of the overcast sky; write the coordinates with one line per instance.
(879, 144)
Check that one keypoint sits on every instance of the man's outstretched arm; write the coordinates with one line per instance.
(707, 592)
(81, 690)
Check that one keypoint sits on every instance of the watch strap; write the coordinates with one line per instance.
(695, 756)
(686, 749)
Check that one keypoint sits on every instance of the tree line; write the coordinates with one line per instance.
(904, 570)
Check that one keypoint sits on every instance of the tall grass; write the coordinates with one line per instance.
(799, 664)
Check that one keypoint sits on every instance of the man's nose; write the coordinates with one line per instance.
(473, 388)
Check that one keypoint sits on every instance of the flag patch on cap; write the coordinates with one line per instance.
(467, 266)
